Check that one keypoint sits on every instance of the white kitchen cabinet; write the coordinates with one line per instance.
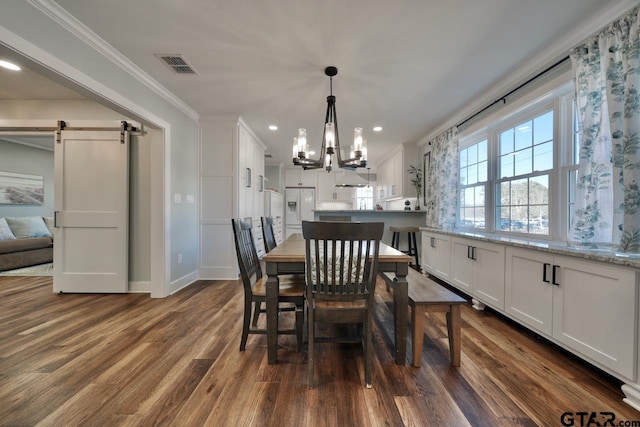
(436, 254)
(247, 173)
(274, 207)
(594, 312)
(589, 307)
(232, 159)
(528, 288)
(298, 177)
(394, 182)
(325, 189)
(478, 269)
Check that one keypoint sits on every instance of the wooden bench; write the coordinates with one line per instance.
(427, 295)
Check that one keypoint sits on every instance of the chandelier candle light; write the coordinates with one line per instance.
(330, 140)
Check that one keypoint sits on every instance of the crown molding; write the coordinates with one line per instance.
(84, 33)
(548, 56)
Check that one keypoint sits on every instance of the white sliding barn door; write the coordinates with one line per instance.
(92, 211)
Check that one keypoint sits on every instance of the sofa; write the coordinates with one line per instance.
(25, 241)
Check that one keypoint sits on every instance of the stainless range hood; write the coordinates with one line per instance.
(349, 179)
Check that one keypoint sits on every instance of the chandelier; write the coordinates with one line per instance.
(330, 140)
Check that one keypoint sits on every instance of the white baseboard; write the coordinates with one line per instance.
(183, 282)
(139, 287)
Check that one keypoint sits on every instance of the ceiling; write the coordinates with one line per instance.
(405, 65)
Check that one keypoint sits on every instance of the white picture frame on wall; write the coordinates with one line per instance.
(21, 189)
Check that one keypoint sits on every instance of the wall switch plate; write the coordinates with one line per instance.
(177, 198)
(179, 258)
(191, 198)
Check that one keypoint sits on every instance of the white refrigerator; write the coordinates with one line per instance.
(299, 204)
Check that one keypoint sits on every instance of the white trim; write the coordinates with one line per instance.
(84, 33)
(140, 287)
(183, 282)
(539, 62)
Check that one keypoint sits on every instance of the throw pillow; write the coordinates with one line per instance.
(5, 231)
(28, 226)
(48, 220)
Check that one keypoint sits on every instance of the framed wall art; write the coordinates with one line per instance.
(21, 189)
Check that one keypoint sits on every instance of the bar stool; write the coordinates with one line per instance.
(411, 242)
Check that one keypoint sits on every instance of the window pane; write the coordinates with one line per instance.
(463, 158)
(523, 135)
(543, 156)
(479, 195)
(506, 141)
(506, 166)
(482, 151)
(520, 192)
(502, 218)
(505, 194)
(523, 162)
(539, 190)
(479, 218)
(472, 154)
(472, 174)
(462, 196)
(482, 171)
(463, 176)
(543, 128)
(539, 220)
(468, 197)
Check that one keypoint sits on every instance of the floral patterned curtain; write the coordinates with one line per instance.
(441, 181)
(606, 70)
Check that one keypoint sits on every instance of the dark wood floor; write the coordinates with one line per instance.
(111, 360)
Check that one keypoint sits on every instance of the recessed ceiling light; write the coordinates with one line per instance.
(273, 127)
(9, 65)
(377, 128)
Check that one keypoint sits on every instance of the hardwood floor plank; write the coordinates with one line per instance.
(130, 360)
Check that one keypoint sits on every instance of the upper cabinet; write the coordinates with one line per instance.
(298, 177)
(394, 182)
(328, 192)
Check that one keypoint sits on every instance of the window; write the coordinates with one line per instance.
(517, 174)
(525, 164)
(364, 197)
(471, 191)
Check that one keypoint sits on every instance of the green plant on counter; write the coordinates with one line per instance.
(417, 182)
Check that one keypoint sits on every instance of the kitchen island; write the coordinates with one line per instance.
(390, 217)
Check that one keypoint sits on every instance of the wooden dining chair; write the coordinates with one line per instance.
(267, 234)
(290, 293)
(341, 267)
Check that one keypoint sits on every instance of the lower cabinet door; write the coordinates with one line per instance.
(488, 283)
(594, 312)
(528, 288)
(462, 268)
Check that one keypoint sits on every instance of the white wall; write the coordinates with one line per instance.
(33, 31)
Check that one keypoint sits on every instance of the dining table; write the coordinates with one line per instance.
(289, 258)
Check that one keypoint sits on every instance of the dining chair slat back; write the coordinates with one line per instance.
(341, 263)
(267, 234)
(291, 291)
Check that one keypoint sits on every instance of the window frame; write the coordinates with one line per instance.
(560, 100)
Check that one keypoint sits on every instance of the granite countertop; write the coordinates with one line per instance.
(591, 252)
(352, 211)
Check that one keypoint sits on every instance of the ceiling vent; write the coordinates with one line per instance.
(177, 63)
(268, 156)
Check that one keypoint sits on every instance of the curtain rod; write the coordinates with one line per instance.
(503, 98)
